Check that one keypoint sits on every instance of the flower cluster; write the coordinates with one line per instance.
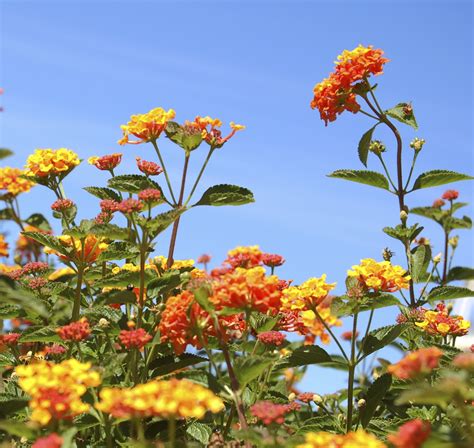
(357, 439)
(271, 338)
(53, 440)
(307, 295)
(75, 331)
(419, 362)
(336, 93)
(61, 205)
(86, 250)
(146, 127)
(148, 168)
(450, 195)
(11, 181)
(268, 412)
(107, 162)
(150, 195)
(210, 132)
(134, 338)
(166, 399)
(9, 338)
(439, 323)
(51, 162)
(244, 257)
(411, 434)
(379, 276)
(3, 246)
(56, 389)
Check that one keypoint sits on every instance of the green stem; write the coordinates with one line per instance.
(386, 171)
(141, 295)
(366, 333)
(172, 432)
(193, 189)
(445, 258)
(77, 299)
(350, 384)
(411, 169)
(155, 145)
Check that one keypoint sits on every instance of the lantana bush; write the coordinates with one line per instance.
(109, 341)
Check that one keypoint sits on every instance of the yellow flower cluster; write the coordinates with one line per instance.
(162, 263)
(357, 439)
(3, 246)
(87, 251)
(130, 267)
(5, 269)
(162, 398)
(61, 272)
(11, 181)
(380, 276)
(51, 162)
(56, 389)
(310, 293)
(314, 324)
(146, 127)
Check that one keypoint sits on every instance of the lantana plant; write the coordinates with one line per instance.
(108, 340)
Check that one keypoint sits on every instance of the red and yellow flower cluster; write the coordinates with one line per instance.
(12, 183)
(75, 331)
(411, 434)
(107, 162)
(85, 251)
(379, 276)
(419, 362)
(56, 389)
(336, 94)
(51, 162)
(357, 439)
(160, 398)
(438, 322)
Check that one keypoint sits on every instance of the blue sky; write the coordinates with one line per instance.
(74, 71)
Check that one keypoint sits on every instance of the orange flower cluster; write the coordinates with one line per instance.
(209, 128)
(419, 362)
(11, 181)
(107, 162)
(134, 338)
(146, 127)
(148, 168)
(244, 257)
(184, 322)
(336, 94)
(86, 251)
(166, 399)
(75, 331)
(411, 434)
(56, 389)
(248, 289)
(3, 246)
(439, 323)
(51, 441)
(465, 361)
(268, 412)
(51, 162)
(357, 439)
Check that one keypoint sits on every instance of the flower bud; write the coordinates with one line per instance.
(377, 147)
(454, 241)
(437, 258)
(361, 403)
(292, 397)
(417, 144)
(387, 254)
(403, 215)
(317, 399)
(131, 324)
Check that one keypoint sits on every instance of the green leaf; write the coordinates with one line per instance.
(117, 297)
(262, 322)
(103, 193)
(132, 183)
(68, 438)
(364, 145)
(438, 177)
(226, 195)
(403, 233)
(448, 293)
(9, 311)
(124, 278)
(451, 223)
(375, 395)
(164, 284)
(179, 135)
(345, 306)
(4, 152)
(200, 432)
(460, 273)
(6, 214)
(201, 296)
(107, 312)
(40, 334)
(118, 250)
(371, 178)
(380, 338)
(110, 231)
(399, 113)
(250, 368)
(162, 221)
(420, 260)
(10, 404)
(167, 364)
(435, 214)
(19, 429)
(47, 240)
(306, 355)
(39, 221)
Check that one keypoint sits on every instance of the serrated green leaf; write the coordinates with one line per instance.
(380, 338)
(460, 273)
(118, 250)
(10, 404)
(226, 195)
(40, 334)
(19, 429)
(433, 213)
(110, 231)
(371, 178)
(103, 193)
(107, 312)
(306, 355)
(364, 144)
(124, 278)
(184, 139)
(48, 241)
(39, 221)
(250, 368)
(6, 214)
(374, 397)
(132, 183)
(438, 177)
(345, 306)
(451, 223)
(162, 221)
(200, 432)
(201, 295)
(399, 113)
(448, 293)
(403, 233)
(164, 284)
(420, 260)
(168, 364)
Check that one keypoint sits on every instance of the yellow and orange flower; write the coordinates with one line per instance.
(209, 128)
(419, 362)
(310, 293)
(3, 246)
(56, 389)
(244, 257)
(439, 323)
(107, 162)
(86, 251)
(165, 399)
(51, 162)
(357, 439)
(315, 328)
(146, 127)
(379, 276)
(11, 181)
(335, 94)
